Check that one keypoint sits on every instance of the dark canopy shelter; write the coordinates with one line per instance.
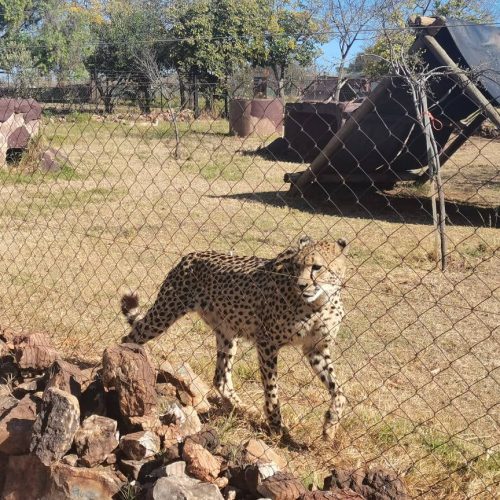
(382, 141)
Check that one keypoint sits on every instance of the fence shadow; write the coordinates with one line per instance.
(374, 204)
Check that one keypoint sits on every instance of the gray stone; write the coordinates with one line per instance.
(55, 426)
(96, 439)
(183, 488)
(177, 468)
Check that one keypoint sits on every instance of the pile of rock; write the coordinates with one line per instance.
(19, 122)
(125, 428)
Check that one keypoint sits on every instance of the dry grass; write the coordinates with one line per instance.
(418, 351)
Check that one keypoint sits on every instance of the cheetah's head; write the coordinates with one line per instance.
(321, 267)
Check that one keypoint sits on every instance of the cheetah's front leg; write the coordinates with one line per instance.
(321, 362)
(223, 381)
(268, 363)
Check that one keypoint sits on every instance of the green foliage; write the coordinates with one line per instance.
(393, 42)
(292, 36)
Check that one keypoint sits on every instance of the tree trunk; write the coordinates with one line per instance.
(340, 82)
(278, 74)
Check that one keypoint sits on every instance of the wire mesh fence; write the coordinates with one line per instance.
(102, 193)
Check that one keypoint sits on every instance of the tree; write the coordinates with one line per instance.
(212, 39)
(393, 39)
(292, 36)
(348, 19)
(128, 30)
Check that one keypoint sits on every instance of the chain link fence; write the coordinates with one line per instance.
(109, 196)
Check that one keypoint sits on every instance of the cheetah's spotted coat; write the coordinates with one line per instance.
(291, 299)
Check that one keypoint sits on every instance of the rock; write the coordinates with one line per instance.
(71, 460)
(25, 478)
(373, 484)
(29, 385)
(281, 486)
(167, 391)
(183, 488)
(93, 400)
(16, 423)
(4, 460)
(68, 483)
(4, 351)
(67, 377)
(331, 495)
(256, 451)
(127, 369)
(55, 426)
(140, 445)
(96, 439)
(34, 351)
(186, 418)
(177, 468)
(201, 464)
(53, 160)
(138, 470)
(208, 438)
(191, 389)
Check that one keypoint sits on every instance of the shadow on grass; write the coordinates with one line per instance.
(374, 204)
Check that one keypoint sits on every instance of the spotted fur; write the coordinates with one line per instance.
(291, 299)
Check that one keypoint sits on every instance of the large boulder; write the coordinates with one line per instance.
(281, 486)
(128, 370)
(19, 122)
(16, 424)
(55, 426)
(68, 483)
(25, 477)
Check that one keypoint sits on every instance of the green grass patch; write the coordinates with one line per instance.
(15, 176)
(230, 171)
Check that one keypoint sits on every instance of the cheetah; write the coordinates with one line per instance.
(291, 299)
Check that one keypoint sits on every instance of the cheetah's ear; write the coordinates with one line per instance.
(304, 241)
(342, 243)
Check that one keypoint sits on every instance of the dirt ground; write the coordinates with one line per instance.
(418, 350)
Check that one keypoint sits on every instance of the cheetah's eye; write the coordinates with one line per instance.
(316, 267)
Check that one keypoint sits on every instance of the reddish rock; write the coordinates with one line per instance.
(127, 369)
(256, 451)
(16, 425)
(25, 478)
(95, 440)
(34, 351)
(53, 160)
(68, 483)
(191, 389)
(372, 484)
(281, 486)
(67, 377)
(140, 445)
(55, 426)
(201, 464)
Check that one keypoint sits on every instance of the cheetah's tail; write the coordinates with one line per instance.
(130, 307)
